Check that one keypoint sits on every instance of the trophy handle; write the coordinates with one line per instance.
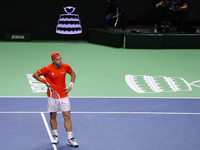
(69, 7)
(194, 83)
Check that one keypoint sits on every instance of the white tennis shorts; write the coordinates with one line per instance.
(54, 104)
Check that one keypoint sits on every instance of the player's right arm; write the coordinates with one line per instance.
(37, 77)
(185, 5)
(159, 4)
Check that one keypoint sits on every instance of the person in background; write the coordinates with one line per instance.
(111, 11)
(182, 12)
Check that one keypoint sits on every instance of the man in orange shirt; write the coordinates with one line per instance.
(54, 75)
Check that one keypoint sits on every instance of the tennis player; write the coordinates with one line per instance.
(54, 75)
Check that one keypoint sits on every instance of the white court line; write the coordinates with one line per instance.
(140, 113)
(136, 113)
(104, 97)
(20, 112)
(48, 130)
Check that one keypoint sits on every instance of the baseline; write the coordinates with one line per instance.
(137, 113)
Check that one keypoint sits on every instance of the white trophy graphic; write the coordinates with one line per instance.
(158, 84)
(69, 23)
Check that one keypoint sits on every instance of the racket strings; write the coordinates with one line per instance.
(53, 96)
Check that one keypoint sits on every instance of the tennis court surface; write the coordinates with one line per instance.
(122, 99)
(104, 123)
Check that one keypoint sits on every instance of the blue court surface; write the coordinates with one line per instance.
(103, 124)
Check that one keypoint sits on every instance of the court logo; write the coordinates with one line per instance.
(36, 86)
(17, 37)
(69, 23)
(158, 84)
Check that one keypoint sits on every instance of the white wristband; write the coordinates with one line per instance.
(71, 84)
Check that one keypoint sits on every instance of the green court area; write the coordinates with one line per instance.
(102, 71)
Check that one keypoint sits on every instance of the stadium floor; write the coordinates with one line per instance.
(122, 98)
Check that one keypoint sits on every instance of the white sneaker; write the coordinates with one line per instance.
(72, 142)
(54, 139)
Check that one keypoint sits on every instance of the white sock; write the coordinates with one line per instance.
(55, 132)
(70, 135)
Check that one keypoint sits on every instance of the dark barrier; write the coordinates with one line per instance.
(105, 37)
(162, 41)
(182, 41)
(144, 40)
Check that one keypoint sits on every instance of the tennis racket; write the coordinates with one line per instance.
(53, 95)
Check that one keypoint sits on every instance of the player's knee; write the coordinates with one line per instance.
(53, 115)
(67, 117)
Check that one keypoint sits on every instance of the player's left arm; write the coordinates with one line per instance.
(72, 80)
(73, 76)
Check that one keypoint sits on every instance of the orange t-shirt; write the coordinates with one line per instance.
(56, 77)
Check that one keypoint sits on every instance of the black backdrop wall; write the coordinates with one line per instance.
(40, 17)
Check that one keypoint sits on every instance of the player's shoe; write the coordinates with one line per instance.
(55, 139)
(72, 142)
